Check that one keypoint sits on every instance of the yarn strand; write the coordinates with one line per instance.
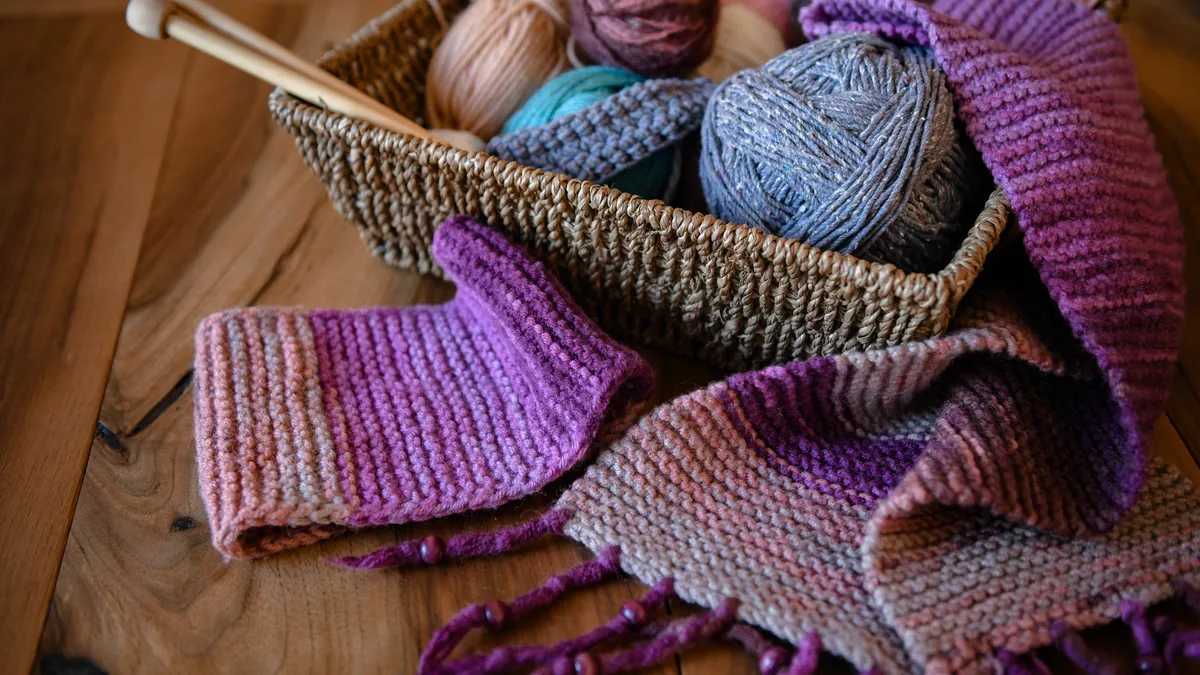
(687, 633)
(506, 658)
(498, 614)
(431, 550)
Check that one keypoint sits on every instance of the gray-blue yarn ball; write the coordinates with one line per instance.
(848, 143)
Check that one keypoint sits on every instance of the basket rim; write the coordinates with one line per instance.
(951, 282)
(948, 285)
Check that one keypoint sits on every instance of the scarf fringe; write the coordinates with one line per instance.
(1162, 646)
(495, 615)
(432, 549)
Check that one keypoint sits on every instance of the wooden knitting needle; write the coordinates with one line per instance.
(205, 28)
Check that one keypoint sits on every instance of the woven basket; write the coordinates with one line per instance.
(728, 294)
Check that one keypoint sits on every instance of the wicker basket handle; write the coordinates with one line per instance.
(207, 29)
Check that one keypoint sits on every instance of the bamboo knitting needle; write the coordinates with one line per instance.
(205, 28)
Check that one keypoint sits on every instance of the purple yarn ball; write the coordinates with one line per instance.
(653, 38)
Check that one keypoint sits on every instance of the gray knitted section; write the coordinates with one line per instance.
(612, 135)
(848, 143)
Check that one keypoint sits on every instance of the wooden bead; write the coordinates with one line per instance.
(495, 613)
(432, 550)
(586, 664)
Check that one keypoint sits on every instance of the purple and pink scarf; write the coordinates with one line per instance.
(942, 506)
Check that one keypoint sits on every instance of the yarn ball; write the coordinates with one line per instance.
(848, 143)
(577, 89)
(493, 57)
(781, 14)
(655, 38)
(744, 39)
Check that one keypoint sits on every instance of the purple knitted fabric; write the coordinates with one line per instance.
(903, 505)
(932, 483)
(952, 504)
(1049, 96)
(309, 422)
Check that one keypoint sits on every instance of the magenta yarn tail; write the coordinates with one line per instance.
(629, 621)
(1162, 646)
(496, 614)
(1077, 652)
(432, 550)
(1029, 664)
(679, 636)
(1182, 645)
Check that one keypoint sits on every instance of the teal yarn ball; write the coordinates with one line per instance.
(577, 89)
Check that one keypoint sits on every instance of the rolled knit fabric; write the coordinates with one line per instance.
(577, 89)
(309, 422)
(608, 137)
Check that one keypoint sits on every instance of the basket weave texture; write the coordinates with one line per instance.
(731, 295)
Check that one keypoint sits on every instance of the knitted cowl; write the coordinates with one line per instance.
(939, 506)
(312, 421)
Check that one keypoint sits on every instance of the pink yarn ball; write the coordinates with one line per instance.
(654, 38)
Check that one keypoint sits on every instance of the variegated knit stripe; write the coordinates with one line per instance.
(959, 585)
(308, 422)
(758, 487)
(699, 491)
(685, 496)
(1056, 115)
(263, 440)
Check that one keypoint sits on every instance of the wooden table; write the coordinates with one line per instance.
(142, 186)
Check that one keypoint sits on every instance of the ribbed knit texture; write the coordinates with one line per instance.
(1049, 95)
(308, 422)
(926, 507)
(608, 137)
(574, 91)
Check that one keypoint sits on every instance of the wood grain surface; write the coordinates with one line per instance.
(1164, 36)
(85, 111)
(144, 187)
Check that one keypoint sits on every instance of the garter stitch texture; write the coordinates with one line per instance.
(907, 506)
(938, 506)
(608, 137)
(946, 505)
(309, 422)
(578, 89)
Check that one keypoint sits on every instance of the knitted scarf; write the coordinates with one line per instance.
(942, 506)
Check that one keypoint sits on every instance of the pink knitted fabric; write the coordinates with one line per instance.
(309, 422)
(908, 506)
(897, 505)
(896, 508)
